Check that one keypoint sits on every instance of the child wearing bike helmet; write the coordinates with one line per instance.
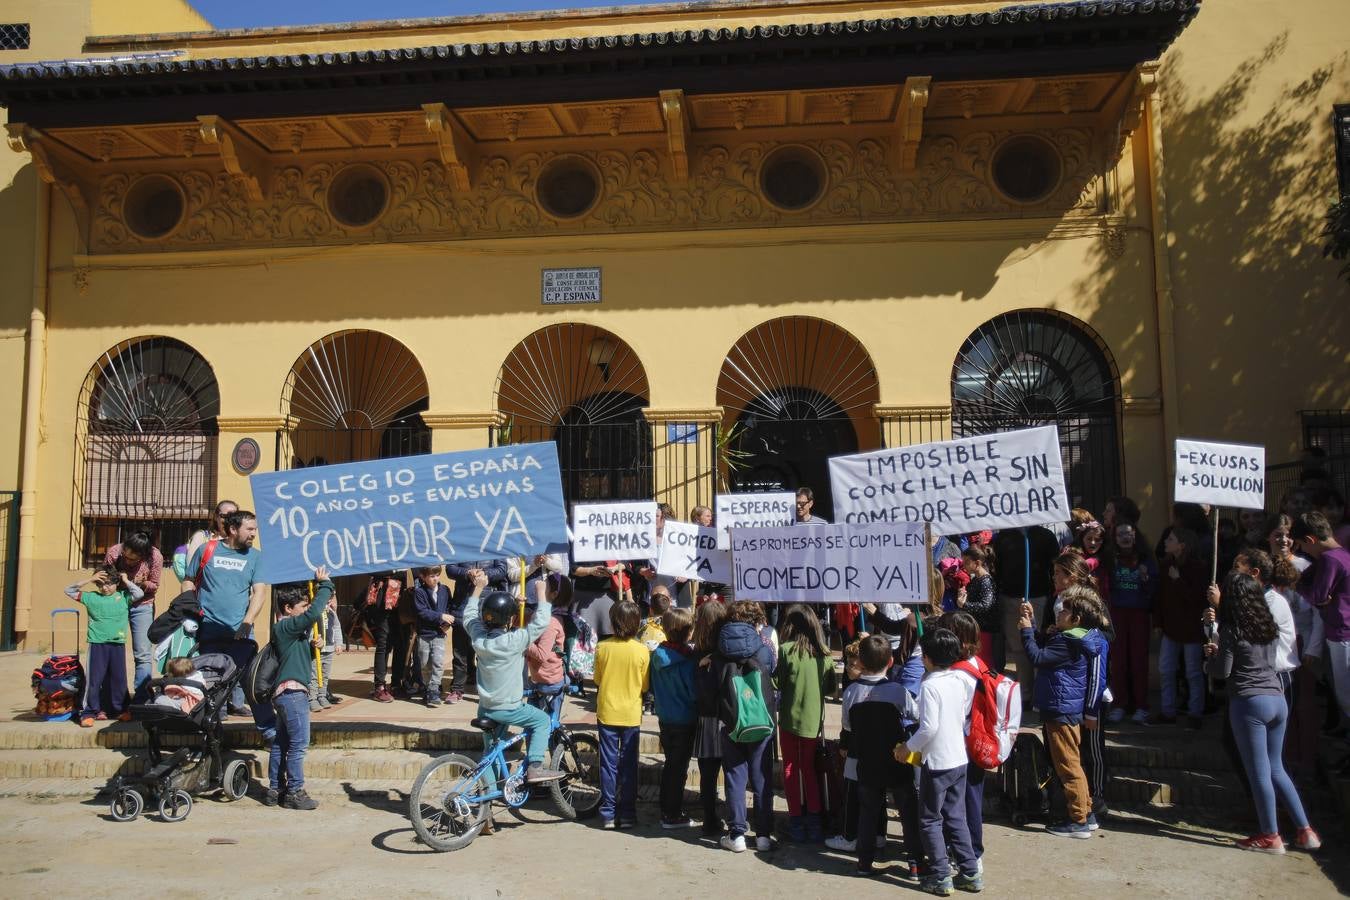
(500, 650)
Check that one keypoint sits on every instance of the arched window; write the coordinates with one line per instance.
(796, 391)
(584, 388)
(353, 396)
(146, 445)
(1037, 367)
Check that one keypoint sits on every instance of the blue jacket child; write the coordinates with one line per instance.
(1070, 673)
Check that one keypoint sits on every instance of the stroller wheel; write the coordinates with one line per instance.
(175, 805)
(126, 804)
(234, 784)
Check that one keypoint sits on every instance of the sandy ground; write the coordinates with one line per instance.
(365, 848)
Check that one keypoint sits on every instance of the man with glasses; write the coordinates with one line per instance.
(805, 500)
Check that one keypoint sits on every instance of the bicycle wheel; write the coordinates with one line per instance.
(578, 794)
(441, 814)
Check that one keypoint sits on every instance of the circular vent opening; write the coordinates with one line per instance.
(357, 196)
(1026, 169)
(792, 178)
(154, 206)
(568, 187)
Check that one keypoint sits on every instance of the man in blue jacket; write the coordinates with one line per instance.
(462, 663)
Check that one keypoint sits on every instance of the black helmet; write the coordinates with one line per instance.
(496, 609)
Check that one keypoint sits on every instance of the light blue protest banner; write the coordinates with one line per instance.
(410, 511)
(878, 562)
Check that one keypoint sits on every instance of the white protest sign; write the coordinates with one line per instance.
(690, 551)
(604, 531)
(1006, 480)
(1221, 474)
(884, 562)
(771, 510)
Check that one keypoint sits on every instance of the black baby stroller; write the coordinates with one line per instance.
(174, 776)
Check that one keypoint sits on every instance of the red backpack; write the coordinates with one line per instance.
(995, 715)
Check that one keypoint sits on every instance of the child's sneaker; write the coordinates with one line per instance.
(381, 694)
(841, 843)
(1307, 839)
(334, 699)
(324, 701)
(125, 716)
(537, 774)
(1078, 830)
(625, 824)
(87, 722)
(1262, 843)
(763, 844)
(454, 697)
(608, 824)
(315, 706)
(971, 884)
(940, 887)
(300, 800)
(271, 798)
(676, 824)
(1092, 822)
(102, 717)
(734, 844)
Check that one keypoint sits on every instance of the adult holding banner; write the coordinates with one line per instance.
(224, 573)
(463, 670)
(604, 537)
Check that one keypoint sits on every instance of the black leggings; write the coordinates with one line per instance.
(708, 770)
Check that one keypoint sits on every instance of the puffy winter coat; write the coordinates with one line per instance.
(1069, 673)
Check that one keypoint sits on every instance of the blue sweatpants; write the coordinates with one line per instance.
(618, 771)
(942, 820)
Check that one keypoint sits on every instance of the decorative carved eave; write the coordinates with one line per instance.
(1143, 84)
(677, 133)
(453, 144)
(909, 120)
(244, 161)
(55, 168)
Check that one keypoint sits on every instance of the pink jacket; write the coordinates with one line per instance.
(546, 666)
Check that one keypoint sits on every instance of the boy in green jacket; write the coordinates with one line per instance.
(290, 697)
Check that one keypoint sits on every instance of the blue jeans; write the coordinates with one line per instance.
(532, 719)
(1169, 663)
(291, 742)
(752, 763)
(618, 771)
(1258, 725)
(142, 651)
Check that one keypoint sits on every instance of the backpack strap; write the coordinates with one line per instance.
(964, 665)
(208, 551)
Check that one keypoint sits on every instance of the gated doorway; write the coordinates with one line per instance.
(584, 389)
(350, 397)
(1038, 367)
(795, 391)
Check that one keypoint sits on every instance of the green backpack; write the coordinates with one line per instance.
(753, 722)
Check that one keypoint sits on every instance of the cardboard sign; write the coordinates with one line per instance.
(883, 562)
(410, 511)
(1004, 480)
(771, 510)
(604, 531)
(1221, 474)
(690, 551)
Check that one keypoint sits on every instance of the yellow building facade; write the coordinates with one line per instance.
(702, 248)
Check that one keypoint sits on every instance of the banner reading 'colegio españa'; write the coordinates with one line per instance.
(411, 511)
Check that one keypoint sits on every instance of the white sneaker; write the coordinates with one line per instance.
(1140, 717)
(763, 844)
(1117, 716)
(979, 866)
(734, 844)
(880, 842)
(841, 843)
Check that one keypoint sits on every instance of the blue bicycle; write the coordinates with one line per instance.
(453, 796)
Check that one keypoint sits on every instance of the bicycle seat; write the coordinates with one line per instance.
(483, 723)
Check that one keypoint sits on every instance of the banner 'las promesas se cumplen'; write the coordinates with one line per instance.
(410, 511)
(883, 562)
(605, 531)
(1221, 474)
(1006, 480)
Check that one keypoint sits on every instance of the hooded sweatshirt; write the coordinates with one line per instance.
(501, 656)
(1070, 672)
(672, 679)
(740, 650)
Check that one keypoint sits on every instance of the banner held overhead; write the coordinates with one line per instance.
(766, 510)
(1221, 474)
(690, 551)
(1009, 479)
(410, 511)
(605, 531)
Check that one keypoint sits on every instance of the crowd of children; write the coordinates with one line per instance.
(737, 695)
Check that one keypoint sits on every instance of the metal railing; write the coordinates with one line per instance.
(604, 461)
